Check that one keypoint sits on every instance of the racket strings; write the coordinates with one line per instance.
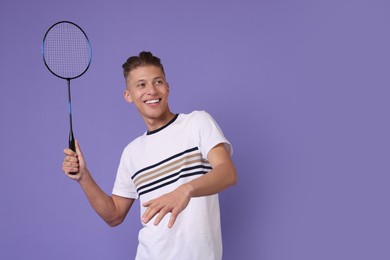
(67, 51)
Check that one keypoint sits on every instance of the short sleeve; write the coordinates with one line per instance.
(124, 185)
(209, 133)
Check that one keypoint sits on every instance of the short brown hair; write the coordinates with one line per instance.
(143, 59)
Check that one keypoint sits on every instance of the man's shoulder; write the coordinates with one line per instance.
(135, 142)
(197, 114)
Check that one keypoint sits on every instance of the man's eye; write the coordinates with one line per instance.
(141, 85)
(158, 82)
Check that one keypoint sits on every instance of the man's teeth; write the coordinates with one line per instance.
(152, 101)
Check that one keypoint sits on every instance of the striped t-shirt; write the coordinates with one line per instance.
(159, 162)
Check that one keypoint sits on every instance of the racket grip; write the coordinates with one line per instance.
(72, 146)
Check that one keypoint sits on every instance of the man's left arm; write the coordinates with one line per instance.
(219, 178)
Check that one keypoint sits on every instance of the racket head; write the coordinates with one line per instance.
(66, 50)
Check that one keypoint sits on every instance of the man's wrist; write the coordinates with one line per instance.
(84, 177)
(188, 189)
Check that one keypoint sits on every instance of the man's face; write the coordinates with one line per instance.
(148, 90)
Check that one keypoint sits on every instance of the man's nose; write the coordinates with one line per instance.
(151, 88)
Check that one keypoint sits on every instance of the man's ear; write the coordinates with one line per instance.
(167, 86)
(127, 96)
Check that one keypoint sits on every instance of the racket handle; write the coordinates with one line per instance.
(72, 146)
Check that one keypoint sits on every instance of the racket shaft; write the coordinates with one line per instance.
(71, 137)
(72, 145)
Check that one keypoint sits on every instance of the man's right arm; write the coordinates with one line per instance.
(112, 209)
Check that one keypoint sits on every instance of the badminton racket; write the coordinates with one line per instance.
(67, 54)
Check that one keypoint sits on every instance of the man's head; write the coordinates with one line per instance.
(147, 89)
(144, 58)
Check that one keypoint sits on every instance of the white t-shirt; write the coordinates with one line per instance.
(160, 161)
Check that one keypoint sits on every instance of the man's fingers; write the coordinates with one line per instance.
(172, 220)
(146, 204)
(69, 166)
(69, 153)
(160, 216)
(152, 212)
(70, 158)
(148, 215)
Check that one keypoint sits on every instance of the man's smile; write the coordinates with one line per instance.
(153, 101)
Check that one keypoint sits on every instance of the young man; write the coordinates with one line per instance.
(176, 169)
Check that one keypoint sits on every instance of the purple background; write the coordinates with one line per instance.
(301, 88)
